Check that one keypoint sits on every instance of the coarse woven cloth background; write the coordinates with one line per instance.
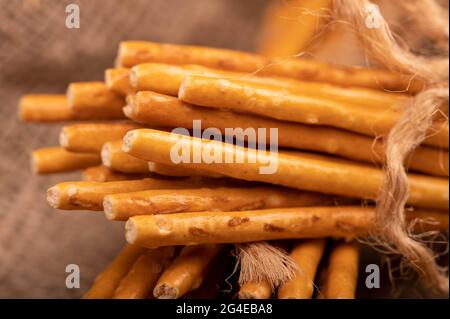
(38, 54)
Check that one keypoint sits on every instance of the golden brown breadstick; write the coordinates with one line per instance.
(89, 195)
(139, 282)
(306, 255)
(136, 52)
(90, 137)
(117, 80)
(124, 206)
(173, 170)
(153, 108)
(264, 100)
(45, 108)
(95, 98)
(297, 170)
(289, 27)
(106, 283)
(186, 272)
(56, 160)
(102, 173)
(255, 290)
(342, 275)
(116, 159)
(260, 225)
(167, 79)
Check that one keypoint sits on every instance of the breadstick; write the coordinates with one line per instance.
(117, 80)
(297, 170)
(102, 173)
(139, 282)
(106, 283)
(95, 98)
(45, 108)
(136, 52)
(173, 170)
(56, 160)
(261, 225)
(90, 137)
(264, 100)
(116, 159)
(167, 79)
(306, 255)
(342, 273)
(255, 290)
(124, 206)
(186, 272)
(153, 108)
(289, 27)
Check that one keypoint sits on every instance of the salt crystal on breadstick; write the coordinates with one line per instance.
(264, 100)
(292, 169)
(57, 160)
(106, 283)
(261, 225)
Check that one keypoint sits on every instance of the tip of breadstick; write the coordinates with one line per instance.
(108, 208)
(53, 196)
(133, 77)
(164, 291)
(128, 140)
(63, 139)
(34, 163)
(130, 231)
(106, 154)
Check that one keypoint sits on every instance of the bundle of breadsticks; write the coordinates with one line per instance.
(293, 213)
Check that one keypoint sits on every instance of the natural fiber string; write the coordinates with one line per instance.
(414, 124)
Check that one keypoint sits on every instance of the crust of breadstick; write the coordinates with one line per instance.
(294, 169)
(173, 170)
(261, 225)
(95, 98)
(306, 255)
(139, 282)
(106, 283)
(342, 273)
(116, 159)
(118, 81)
(186, 272)
(167, 79)
(124, 206)
(264, 100)
(290, 27)
(136, 52)
(45, 108)
(102, 173)
(89, 195)
(56, 160)
(90, 137)
(255, 290)
(153, 108)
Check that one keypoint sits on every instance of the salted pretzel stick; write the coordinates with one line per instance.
(102, 173)
(290, 26)
(89, 195)
(90, 137)
(117, 80)
(264, 100)
(95, 98)
(306, 255)
(294, 169)
(342, 275)
(136, 52)
(153, 108)
(139, 282)
(187, 271)
(106, 283)
(56, 160)
(261, 225)
(173, 170)
(116, 159)
(167, 79)
(124, 206)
